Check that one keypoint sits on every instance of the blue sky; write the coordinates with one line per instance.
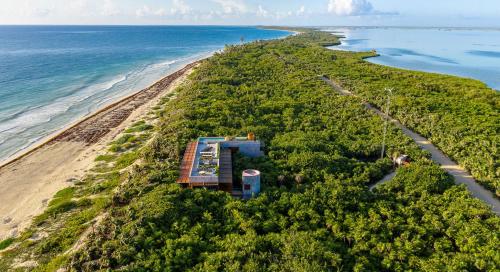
(484, 13)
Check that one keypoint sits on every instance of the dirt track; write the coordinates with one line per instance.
(459, 173)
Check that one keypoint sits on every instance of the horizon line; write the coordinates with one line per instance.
(262, 25)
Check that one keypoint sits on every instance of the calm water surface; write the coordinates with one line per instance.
(472, 53)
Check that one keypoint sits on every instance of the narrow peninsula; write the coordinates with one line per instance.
(317, 135)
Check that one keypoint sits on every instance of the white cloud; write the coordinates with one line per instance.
(109, 8)
(180, 7)
(78, 5)
(36, 11)
(350, 7)
(147, 11)
(279, 15)
(301, 11)
(232, 6)
(262, 12)
(160, 12)
(40, 12)
(207, 16)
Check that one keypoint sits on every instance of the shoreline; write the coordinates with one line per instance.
(24, 151)
(30, 180)
(342, 37)
(52, 136)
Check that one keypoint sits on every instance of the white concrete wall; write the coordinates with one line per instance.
(254, 182)
(247, 148)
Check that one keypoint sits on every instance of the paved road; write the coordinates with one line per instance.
(459, 173)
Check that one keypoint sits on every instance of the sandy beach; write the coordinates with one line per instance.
(29, 181)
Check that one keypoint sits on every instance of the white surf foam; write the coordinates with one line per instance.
(29, 126)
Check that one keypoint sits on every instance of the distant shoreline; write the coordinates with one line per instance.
(342, 38)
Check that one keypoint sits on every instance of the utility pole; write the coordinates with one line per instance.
(386, 121)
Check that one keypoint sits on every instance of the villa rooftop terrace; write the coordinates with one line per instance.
(207, 162)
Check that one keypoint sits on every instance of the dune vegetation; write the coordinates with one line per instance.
(315, 212)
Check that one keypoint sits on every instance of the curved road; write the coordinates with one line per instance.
(459, 173)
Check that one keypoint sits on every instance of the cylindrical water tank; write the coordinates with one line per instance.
(251, 183)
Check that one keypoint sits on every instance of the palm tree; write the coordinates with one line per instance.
(281, 180)
(299, 178)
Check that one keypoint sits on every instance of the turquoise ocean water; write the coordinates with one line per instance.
(51, 76)
(466, 52)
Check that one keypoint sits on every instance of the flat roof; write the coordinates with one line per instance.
(205, 165)
(208, 160)
(251, 173)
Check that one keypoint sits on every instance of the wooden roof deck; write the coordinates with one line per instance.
(225, 167)
(187, 162)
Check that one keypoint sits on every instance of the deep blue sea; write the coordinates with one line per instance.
(472, 52)
(51, 76)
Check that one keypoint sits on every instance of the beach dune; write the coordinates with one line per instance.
(29, 181)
